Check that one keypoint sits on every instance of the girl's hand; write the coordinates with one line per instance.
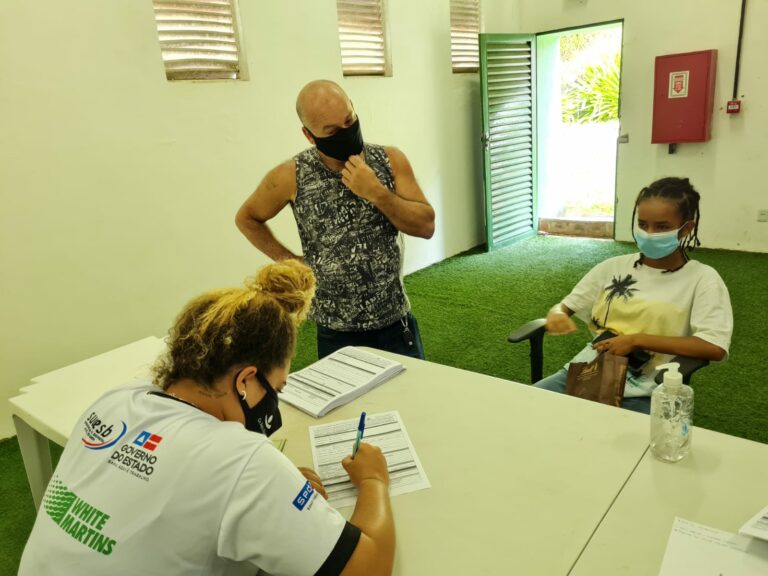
(559, 323)
(618, 346)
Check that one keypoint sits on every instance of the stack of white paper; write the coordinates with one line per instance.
(757, 527)
(337, 379)
(332, 442)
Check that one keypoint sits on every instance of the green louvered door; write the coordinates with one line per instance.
(507, 78)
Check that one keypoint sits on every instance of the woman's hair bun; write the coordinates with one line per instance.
(290, 282)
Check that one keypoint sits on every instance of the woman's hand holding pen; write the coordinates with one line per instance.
(368, 464)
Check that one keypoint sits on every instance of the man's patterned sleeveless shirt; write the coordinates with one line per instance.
(354, 251)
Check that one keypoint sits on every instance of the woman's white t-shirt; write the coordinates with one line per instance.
(150, 485)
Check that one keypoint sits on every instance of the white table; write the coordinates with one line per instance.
(722, 483)
(48, 408)
(520, 477)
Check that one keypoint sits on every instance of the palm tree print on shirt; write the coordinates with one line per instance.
(618, 288)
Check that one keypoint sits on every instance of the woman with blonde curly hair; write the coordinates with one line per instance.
(177, 476)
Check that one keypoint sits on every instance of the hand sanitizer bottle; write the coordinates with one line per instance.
(671, 416)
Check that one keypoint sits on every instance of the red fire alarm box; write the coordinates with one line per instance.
(683, 97)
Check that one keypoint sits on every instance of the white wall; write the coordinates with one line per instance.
(119, 188)
(728, 170)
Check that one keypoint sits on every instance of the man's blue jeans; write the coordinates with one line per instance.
(389, 338)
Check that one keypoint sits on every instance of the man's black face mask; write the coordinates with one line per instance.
(344, 143)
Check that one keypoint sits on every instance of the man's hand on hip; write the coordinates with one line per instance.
(361, 179)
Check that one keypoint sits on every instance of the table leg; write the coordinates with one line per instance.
(36, 454)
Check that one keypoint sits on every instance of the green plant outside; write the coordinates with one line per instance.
(594, 95)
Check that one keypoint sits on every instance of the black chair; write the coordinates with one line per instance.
(534, 331)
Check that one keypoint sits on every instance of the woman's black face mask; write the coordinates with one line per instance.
(264, 417)
(344, 143)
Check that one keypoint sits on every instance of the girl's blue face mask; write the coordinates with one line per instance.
(659, 245)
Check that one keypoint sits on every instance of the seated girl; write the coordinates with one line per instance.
(659, 300)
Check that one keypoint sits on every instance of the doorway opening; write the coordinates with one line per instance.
(577, 92)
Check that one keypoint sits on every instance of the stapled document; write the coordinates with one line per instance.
(337, 379)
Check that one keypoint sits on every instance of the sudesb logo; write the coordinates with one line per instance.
(98, 435)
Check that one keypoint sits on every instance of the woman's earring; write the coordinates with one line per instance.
(243, 394)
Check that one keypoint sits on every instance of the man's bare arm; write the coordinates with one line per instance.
(275, 191)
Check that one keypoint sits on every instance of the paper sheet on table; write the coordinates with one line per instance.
(332, 442)
(697, 550)
(757, 527)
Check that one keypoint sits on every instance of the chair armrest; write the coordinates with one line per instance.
(687, 367)
(528, 331)
(532, 331)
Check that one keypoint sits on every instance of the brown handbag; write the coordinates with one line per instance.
(601, 380)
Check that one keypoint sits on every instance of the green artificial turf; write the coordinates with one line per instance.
(18, 511)
(467, 305)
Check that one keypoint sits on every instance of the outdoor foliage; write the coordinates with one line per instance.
(594, 95)
(572, 45)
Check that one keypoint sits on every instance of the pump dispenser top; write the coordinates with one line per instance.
(672, 376)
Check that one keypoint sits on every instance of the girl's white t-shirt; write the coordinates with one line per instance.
(626, 297)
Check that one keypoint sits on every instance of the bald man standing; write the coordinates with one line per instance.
(352, 202)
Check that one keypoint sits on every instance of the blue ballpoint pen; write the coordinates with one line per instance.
(360, 430)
